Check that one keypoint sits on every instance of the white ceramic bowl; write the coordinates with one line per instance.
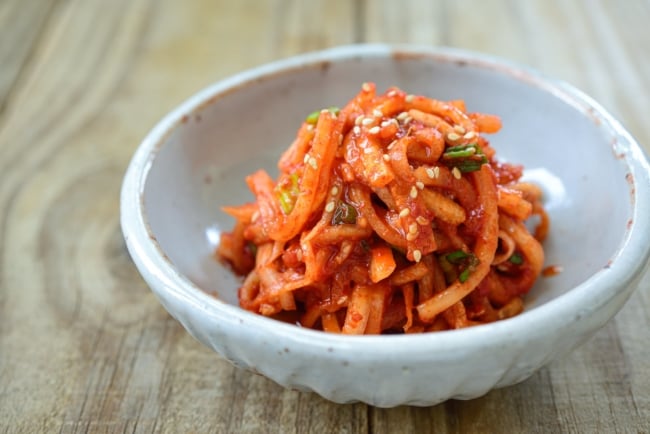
(595, 177)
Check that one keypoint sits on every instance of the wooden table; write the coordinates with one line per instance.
(85, 346)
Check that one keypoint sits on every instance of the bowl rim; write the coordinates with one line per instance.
(556, 313)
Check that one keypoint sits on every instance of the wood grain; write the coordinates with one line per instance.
(22, 25)
(85, 346)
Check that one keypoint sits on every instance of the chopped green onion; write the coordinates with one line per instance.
(252, 248)
(334, 110)
(288, 194)
(459, 262)
(312, 118)
(344, 213)
(285, 202)
(456, 257)
(516, 259)
(470, 165)
(462, 277)
(464, 151)
(467, 158)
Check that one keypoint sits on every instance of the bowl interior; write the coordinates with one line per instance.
(201, 163)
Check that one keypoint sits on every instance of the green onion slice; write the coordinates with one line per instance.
(516, 259)
(288, 194)
(464, 275)
(465, 263)
(312, 118)
(467, 158)
(457, 257)
(344, 213)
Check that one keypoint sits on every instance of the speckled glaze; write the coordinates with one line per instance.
(594, 175)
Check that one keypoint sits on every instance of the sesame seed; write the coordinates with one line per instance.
(410, 236)
(306, 159)
(407, 120)
(404, 212)
(413, 228)
(367, 150)
(366, 87)
(459, 129)
(470, 135)
(330, 206)
(374, 130)
(385, 124)
(436, 172)
(313, 163)
(299, 255)
(255, 215)
(419, 185)
(358, 120)
(377, 113)
(310, 127)
(356, 130)
(334, 191)
(413, 193)
(409, 98)
(367, 121)
(456, 172)
(391, 94)
(386, 157)
(422, 220)
(417, 255)
(402, 116)
(430, 173)
(324, 111)
(453, 137)
(391, 145)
